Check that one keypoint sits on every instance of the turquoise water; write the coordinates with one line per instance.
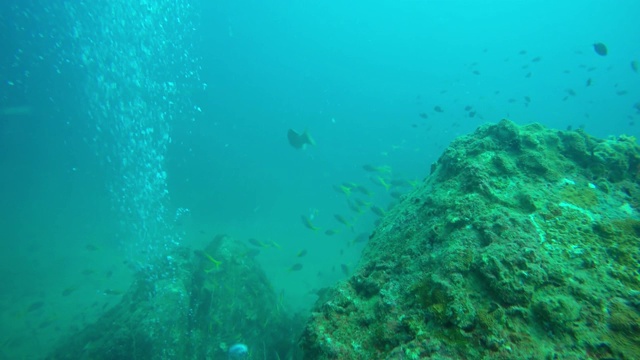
(126, 130)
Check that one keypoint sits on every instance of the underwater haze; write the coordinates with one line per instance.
(128, 129)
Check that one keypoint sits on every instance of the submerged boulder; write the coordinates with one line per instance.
(193, 305)
(523, 243)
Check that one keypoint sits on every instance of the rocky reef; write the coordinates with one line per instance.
(194, 305)
(523, 243)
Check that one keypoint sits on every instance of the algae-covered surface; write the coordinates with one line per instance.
(523, 243)
(194, 305)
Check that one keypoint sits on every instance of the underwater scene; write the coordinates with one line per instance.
(283, 180)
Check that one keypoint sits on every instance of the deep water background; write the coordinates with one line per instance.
(357, 75)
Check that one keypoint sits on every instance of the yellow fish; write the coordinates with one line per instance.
(308, 224)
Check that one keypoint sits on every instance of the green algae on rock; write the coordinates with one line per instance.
(523, 243)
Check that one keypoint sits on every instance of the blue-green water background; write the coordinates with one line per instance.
(356, 74)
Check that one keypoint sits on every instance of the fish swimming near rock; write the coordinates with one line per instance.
(300, 141)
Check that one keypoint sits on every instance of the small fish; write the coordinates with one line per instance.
(214, 261)
(635, 66)
(380, 169)
(395, 194)
(353, 207)
(257, 243)
(423, 115)
(438, 109)
(361, 203)
(363, 190)
(571, 92)
(331, 232)
(600, 49)
(342, 220)
(302, 253)
(589, 82)
(300, 141)
(276, 245)
(536, 59)
(472, 114)
(467, 108)
(522, 52)
(70, 290)
(362, 237)
(35, 306)
(112, 292)
(295, 267)
(345, 269)
(381, 181)
(252, 253)
(342, 189)
(622, 92)
(91, 247)
(377, 210)
(308, 224)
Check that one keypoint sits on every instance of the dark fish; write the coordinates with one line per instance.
(423, 115)
(395, 194)
(635, 66)
(536, 59)
(295, 267)
(256, 242)
(362, 237)
(475, 72)
(363, 190)
(467, 108)
(330, 232)
(600, 49)
(341, 219)
(588, 82)
(300, 141)
(377, 210)
(345, 269)
(438, 109)
(522, 52)
(35, 306)
(622, 92)
(302, 253)
(252, 252)
(527, 99)
(68, 291)
(472, 114)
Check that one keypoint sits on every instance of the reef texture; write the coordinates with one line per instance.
(523, 243)
(193, 305)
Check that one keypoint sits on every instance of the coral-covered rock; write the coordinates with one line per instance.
(521, 244)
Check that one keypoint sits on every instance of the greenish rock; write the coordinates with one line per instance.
(192, 305)
(521, 244)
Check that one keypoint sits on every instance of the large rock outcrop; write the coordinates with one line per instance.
(523, 243)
